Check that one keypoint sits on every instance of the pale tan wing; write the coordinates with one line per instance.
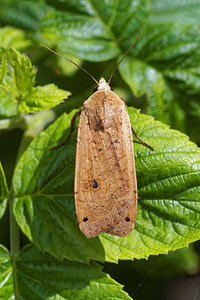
(126, 224)
(100, 190)
(105, 183)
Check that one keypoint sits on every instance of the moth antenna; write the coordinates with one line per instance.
(71, 62)
(127, 51)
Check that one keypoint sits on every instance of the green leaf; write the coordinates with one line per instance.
(39, 276)
(17, 90)
(17, 80)
(144, 79)
(176, 54)
(13, 37)
(167, 65)
(81, 32)
(22, 13)
(168, 209)
(3, 192)
(42, 97)
(8, 106)
(23, 73)
(49, 278)
(96, 27)
(3, 69)
(179, 11)
(164, 63)
(6, 275)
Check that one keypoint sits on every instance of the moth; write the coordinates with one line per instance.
(105, 185)
(105, 177)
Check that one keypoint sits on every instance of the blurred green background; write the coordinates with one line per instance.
(161, 76)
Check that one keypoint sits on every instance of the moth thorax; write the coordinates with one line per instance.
(103, 85)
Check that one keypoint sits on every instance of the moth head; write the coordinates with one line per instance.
(103, 85)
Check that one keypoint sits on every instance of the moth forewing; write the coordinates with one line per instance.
(105, 178)
(126, 225)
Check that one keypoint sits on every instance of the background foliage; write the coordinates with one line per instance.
(47, 256)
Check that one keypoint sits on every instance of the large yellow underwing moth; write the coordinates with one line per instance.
(105, 177)
(105, 186)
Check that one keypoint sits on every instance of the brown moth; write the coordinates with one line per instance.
(105, 186)
(105, 177)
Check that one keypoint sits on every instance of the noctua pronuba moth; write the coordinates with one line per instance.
(105, 186)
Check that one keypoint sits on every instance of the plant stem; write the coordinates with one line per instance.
(33, 125)
(13, 123)
(14, 243)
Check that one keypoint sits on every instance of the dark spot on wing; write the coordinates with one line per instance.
(95, 184)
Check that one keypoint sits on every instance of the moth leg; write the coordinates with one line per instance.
(72, 128)
(142, 142)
